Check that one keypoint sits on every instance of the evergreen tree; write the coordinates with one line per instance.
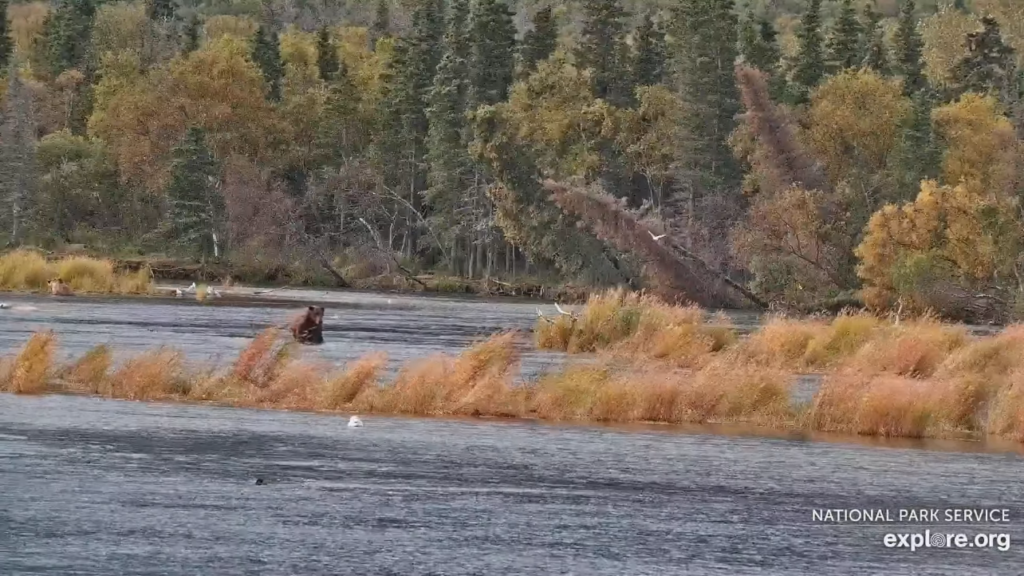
(845, 40)
(160, 10)
(538, 43)
(326, 55)
(18, 170)
(400, 144)
(650, 53)
(706, 33)
(67, 34)
(382, 21)
(909, 45)
(190, 40)
(760, 45)
(266, 53)
(447, 138)
(809, 67)
(602, 49)
(990, 66)
(197, 206)
(339, 135)
(876, 55)
(917, 156)
(493, 39)
(6, 43)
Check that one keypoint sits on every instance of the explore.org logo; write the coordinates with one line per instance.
(929, 539)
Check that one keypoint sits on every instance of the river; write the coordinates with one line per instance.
(99, 487)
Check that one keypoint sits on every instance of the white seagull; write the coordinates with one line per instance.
(191, 288)
(656, 238)
(560, 311)
(355, 422)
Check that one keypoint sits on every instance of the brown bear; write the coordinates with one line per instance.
(308, 328)
(59, 288)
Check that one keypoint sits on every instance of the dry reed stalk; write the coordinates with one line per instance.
(89, 373)
(32, 366)
(360, 375)
(155, 375)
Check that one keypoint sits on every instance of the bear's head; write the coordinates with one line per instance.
(316, 314)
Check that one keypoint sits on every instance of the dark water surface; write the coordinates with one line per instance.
(97, 487)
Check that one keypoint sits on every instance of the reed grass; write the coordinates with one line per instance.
(28, 270)
(916, 379)
(30, 369)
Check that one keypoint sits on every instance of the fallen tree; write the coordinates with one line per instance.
(675, 273)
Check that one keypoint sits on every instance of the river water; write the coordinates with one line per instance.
(100, 487)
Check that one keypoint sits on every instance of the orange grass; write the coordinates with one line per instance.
(89, 373)
(917, 379)
(30, 369)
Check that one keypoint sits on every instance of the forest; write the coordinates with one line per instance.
(790, 153)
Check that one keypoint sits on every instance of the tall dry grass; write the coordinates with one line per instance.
(27, 270)
(29, 371)
(916, 379)
(637, 325)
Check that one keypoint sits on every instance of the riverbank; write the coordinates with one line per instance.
(920, 379)
(29, 270)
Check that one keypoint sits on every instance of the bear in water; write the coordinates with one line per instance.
(59, 288)
(308, 328)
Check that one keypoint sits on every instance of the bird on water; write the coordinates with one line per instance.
(355, 422)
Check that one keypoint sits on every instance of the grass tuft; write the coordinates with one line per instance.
(31, 368)
(28, 270)
(156, 375)
(89, 373)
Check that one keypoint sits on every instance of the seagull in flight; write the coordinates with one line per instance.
(656, 238)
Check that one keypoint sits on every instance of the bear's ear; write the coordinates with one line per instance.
(312, 309)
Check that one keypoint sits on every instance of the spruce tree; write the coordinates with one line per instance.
(326, 55)
(650, 54)
(602, 47)
(493, 39)
(266, 53)
(846, 39)
(160, 10)
(917, 155)
(539, 42)
(759, 45)
(197, 206)
(400, 143)
(18, 169)
(809, 67)
(381, 27)
(67, 35)
(6, 43)
(190, 40)
(990, 66)
(876, 55)
(704, 62)
(447, 139)
(909, 45)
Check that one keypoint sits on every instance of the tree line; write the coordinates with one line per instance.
(802, 153)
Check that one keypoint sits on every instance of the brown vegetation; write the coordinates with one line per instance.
(652, 362)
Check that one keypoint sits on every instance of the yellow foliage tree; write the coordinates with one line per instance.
(945, 35)
(949, 233)
(982, 150)
(222, 25)
(555, 113)
(650, 134)
(216, 88)
(855, 119)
